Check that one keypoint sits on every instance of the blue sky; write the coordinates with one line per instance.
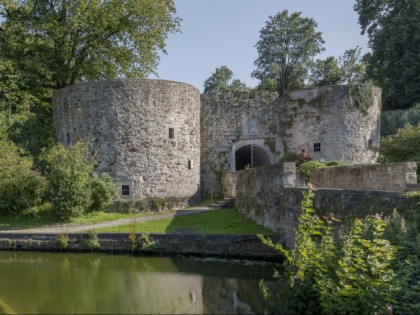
(224, 32)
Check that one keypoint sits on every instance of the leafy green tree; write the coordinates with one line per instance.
(68, 173)
(393, 28)
(286, 49)
(49, 44)
(21, 187)
(64, 42)
(352, 67)
(348, 69)
(325, 72)
(222, 81)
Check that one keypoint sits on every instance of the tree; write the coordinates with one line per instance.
(352, 67)
(49, 44)
(393, 28)
(286, 49)
(325, 72)
(221, 81)
(348, 69)
(64, 42)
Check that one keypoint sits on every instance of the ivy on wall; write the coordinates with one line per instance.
(360, 96)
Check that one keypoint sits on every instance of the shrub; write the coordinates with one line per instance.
(335, 163)
(68, 172)
(156, 203)
(141, 205)
(21, 187)
(403, 146)
(104, 191)
(63, 241)
(351, 274)
(308, 166)
(147, 243)
(92, 241)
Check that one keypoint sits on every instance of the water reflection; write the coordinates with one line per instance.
(49, 283)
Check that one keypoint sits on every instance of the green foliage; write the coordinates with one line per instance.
(64, 42)
(360, 96)
(47, 45)
(352, 67)
(308, 166)
(286, 47)
(92, 241)
(63, 241)
(104, 190)
(68, 173)
(147, 243)
(21, 187)
(221, 82)
(403, 146)
(335, 163)
(392, 120)
(325, 72)
(156, 203)
(393, 28)
(328, 275)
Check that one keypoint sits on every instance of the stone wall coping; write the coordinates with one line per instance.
(98, 82)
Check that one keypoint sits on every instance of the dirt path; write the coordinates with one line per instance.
(79, 228)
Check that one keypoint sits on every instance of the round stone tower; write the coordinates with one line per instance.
(146, 133)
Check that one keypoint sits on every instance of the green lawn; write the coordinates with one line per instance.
(47, 219)
(225, 221)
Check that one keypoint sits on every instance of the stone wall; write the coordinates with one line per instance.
(320, 117)
(228, 246)
(396, 177)
(146, 132)
(262, 197)
(221, 119)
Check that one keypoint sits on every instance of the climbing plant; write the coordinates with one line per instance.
(360, 96)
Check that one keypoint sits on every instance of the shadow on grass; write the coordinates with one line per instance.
(221, 221)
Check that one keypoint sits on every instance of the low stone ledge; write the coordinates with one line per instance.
(226, 246)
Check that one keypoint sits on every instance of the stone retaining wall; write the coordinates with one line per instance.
(262, 197)
(229, 246)
(396, 177)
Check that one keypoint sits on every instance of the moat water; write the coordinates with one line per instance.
(70, 283)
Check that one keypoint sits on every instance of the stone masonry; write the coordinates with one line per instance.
(162, 139)
(321, 120)
(146, 132)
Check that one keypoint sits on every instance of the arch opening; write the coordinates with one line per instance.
(251, 156)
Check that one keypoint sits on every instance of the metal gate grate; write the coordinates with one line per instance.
(251, 156)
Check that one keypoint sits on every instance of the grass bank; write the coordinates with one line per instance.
(47, 219)
(224, 221)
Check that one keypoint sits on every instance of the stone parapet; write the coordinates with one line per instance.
(396, 177)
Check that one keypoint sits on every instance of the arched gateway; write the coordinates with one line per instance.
(251, 156)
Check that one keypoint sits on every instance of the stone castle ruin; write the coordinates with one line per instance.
(160, 138)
